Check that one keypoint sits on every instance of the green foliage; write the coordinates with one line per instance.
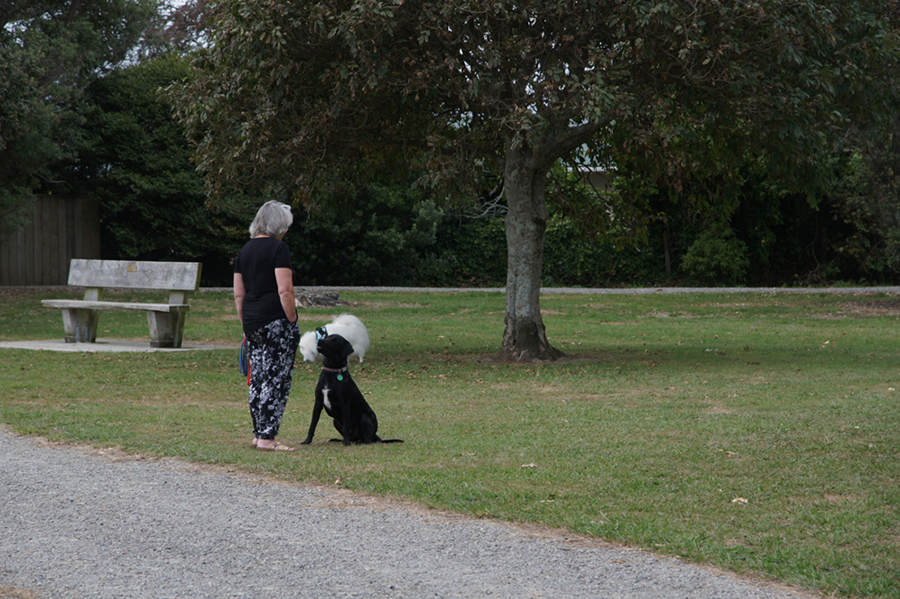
(472, 251)
(693, 87)
(601, 236)
(377, 237)
(868, 202)
(572, 259)
(717, 256)
(393, 234)
(399, 238)
(30, 131)
(50, 50)
(137, 162)
(788, 242)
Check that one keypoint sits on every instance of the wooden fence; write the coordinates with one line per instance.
(58, 229)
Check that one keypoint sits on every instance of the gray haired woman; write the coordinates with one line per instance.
(264, 298)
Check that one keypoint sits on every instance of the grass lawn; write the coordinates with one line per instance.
(756, 432)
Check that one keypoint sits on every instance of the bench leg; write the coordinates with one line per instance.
(80, 325)
(166, 328)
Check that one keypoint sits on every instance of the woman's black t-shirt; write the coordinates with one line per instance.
(256, 264)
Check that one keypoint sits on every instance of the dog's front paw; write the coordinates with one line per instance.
(306, 441)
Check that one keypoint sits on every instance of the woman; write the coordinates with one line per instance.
(264, 297)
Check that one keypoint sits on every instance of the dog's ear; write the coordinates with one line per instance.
(346, 349)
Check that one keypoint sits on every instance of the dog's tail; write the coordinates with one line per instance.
(377, 440)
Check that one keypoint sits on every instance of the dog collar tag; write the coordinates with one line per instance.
(340, 377)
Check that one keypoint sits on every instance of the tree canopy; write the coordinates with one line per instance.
(296, 96)
(135, 160)
(49, 51)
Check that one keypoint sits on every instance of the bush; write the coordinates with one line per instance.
(571, 259)
(382, 236)
(718, 257)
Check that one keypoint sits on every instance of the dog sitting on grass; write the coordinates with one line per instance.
(336, 392)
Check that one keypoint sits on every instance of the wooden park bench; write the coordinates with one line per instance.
(80, 317)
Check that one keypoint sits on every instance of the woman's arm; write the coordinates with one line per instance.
(239, 293)
(285, 279)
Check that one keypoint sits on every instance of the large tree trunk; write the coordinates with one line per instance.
(524, 337)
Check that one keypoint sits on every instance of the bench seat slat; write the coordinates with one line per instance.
(101, 305)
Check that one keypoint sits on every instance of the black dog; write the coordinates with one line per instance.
(341, 398)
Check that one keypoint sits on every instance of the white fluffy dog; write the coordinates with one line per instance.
(347, 326)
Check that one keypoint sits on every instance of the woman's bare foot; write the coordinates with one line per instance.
(270, 445)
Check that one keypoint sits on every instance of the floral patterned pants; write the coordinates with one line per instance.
(271, 350)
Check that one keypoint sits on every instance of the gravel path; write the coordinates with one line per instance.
(86, 524)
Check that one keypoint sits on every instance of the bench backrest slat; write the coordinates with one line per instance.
(172, 276)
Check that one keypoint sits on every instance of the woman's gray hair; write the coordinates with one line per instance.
(273, 219)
